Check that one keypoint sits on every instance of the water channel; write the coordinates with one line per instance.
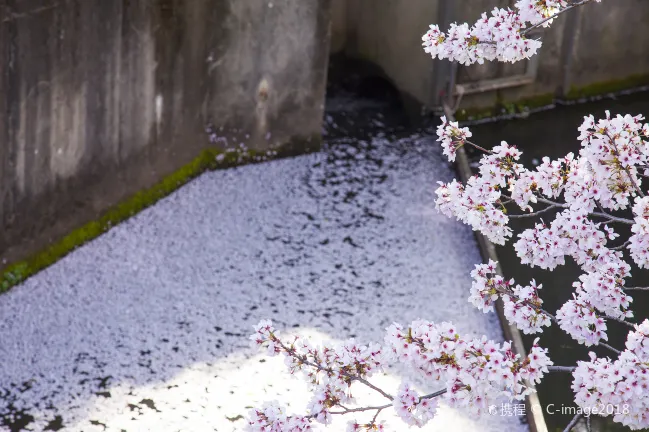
(553, 133)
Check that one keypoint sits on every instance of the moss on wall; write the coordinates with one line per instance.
(505, 108)
(525, 105)
(606, 87)
(209, 159)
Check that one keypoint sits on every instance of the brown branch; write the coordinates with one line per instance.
(477, 146)
(621, 321)
(554, 319)
(605, 345)
(572, 423)
(303, 360)
(538, 212)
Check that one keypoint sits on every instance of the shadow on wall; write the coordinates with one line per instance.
(363, 79)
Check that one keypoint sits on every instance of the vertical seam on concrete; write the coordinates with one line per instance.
(441, 70)
(571, 31)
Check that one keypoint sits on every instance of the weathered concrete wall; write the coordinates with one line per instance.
(610, 44)
(388, 34)
(101, 99)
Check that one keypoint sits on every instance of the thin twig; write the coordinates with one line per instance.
(552, 317)
(323, 369)
(605, 345)
(569, 369)
(526, 215)
(636, 288)
(381, 407)
(626, 168)
(360, 409)
(529, 29)
(373, 387)
(605, 215)
(477, 146)
(572, 423)
(376, 414)
(622, 246)
(621, 321)
(433, 395)
(608, 216)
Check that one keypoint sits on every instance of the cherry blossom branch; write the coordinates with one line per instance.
(536, 213)
(636, 288)
(477, 146)
(376, 414)
(626, 168)
(621, 321)
(373, 387)
(551, 17)
(381, 407)
(433, 395)
(302, 358)
(556, 204)
(598, 214)
(554, 318)
(607, 346)
(622, 246)
(361, 409)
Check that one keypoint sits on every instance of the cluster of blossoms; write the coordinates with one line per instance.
(580, 320)
(475, 373)
(605, 176)
(451, 137)
(535, 11)
(497, 37)
(412, 408)
(272, 418)
(622, 384)
(600, 290)
(522, 305)
(501, 36)
(639, 241)
(478, 203)
(329, 369)
(475, 205)
(612, 150)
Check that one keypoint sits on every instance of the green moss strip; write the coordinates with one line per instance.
(518, 107)
(606, 87)
(575, 93)
(209, 159)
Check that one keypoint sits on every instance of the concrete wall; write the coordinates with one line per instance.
(388, 34)
(611, 41)
(103, 98)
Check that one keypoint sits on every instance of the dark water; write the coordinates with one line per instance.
(554, 133)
